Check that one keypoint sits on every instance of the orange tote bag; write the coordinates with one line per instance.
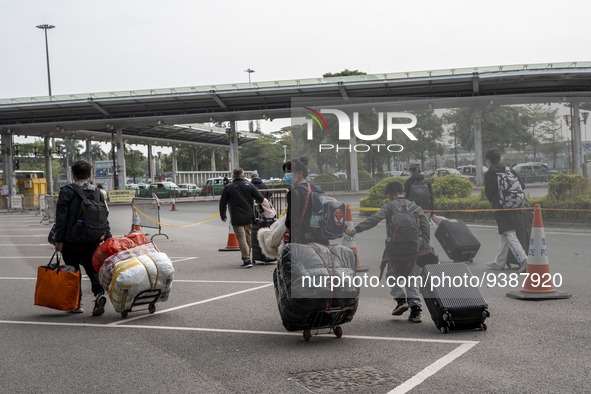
(56, 288)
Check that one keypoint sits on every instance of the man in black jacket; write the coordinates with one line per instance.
(504, 190)
(77, 253)
(239, 196)
(423, 195)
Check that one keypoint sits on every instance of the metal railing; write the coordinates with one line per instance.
(277, 198)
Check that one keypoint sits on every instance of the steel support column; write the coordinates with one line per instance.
(48, 164)
(121, 173)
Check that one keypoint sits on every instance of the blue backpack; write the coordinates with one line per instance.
(328, 215)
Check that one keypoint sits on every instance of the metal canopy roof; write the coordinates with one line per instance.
(162, 115)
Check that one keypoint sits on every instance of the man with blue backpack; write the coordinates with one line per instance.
(407, 232)
(312, 216)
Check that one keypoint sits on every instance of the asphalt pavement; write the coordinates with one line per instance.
(220, 330)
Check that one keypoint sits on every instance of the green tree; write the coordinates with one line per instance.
(345, 73)
(135, 164)
(429, 130)
(264, 155)
(542, 120)
(502, 127)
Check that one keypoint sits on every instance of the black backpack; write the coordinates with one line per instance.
(419, 193)
(405, 230)
(91, 220)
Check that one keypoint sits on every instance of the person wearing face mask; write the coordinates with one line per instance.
(299, 208)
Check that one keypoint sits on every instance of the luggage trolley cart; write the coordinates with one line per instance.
(330, 319)
(146, 297)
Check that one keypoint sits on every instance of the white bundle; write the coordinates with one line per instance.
(141, 273)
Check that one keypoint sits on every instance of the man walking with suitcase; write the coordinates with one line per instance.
(239, 196)
(80, 226)
(504, 190)
(407, 231)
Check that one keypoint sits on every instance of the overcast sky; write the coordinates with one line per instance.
(115, 45)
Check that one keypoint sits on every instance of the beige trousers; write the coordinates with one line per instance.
(244, 240)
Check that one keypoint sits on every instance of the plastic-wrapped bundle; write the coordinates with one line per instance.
(140, 273)
(114, 245)
(312, 282)
(106, 270)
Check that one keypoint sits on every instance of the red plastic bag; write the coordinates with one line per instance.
(137, 238)
(115, 245)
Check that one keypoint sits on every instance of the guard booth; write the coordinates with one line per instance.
(31, 185)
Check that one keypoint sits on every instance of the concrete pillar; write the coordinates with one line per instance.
(174, 164)
(233, 147)
(7, 166)
(577, 155)
(353, 165)
(150, 164)
(478, 156)
(195, 161)
(213, 160)
(48, 164)
(121, 174)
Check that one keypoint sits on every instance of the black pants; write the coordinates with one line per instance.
(76, 254)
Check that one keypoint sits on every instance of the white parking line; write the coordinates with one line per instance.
(456, 353)
(192, 304)
(433, 368)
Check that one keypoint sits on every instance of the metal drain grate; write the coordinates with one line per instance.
(344, 379)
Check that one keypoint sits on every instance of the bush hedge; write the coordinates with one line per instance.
(452, 186)
(574, 194)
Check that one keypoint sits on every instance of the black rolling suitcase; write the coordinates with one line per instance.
(315, 308)
(257, 253)
(457, 240)
(453, 306)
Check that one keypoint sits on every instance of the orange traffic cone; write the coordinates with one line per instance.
(173, 205)
(350, 242)
(232, 244)
(135, 223)
(538, 284)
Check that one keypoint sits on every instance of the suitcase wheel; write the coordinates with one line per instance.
(482, 327)
(485, 314)
(152, 308)
(444, 330)
(446, 316)
(338, 331)
(307, 335)
(124, 314)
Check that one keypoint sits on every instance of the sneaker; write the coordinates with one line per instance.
(400, 308)
(77, 310)
(415, 314)
(99, 305)
(246, 264)
(494, 267)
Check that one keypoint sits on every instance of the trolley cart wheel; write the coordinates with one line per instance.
(307, 335)
(124, 314)
(152, 308)
(338, 331)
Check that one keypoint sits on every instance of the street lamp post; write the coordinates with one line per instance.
(249, 71)
(570, 122)
(45, 28)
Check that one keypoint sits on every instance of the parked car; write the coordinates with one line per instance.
(439, 172)
(161, 189)
(189, 190)
(470, 172)
(212, 187)
(534, 172)
(392, 174)
(132, 186)
(275, 182)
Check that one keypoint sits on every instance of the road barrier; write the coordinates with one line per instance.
(150, 217)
